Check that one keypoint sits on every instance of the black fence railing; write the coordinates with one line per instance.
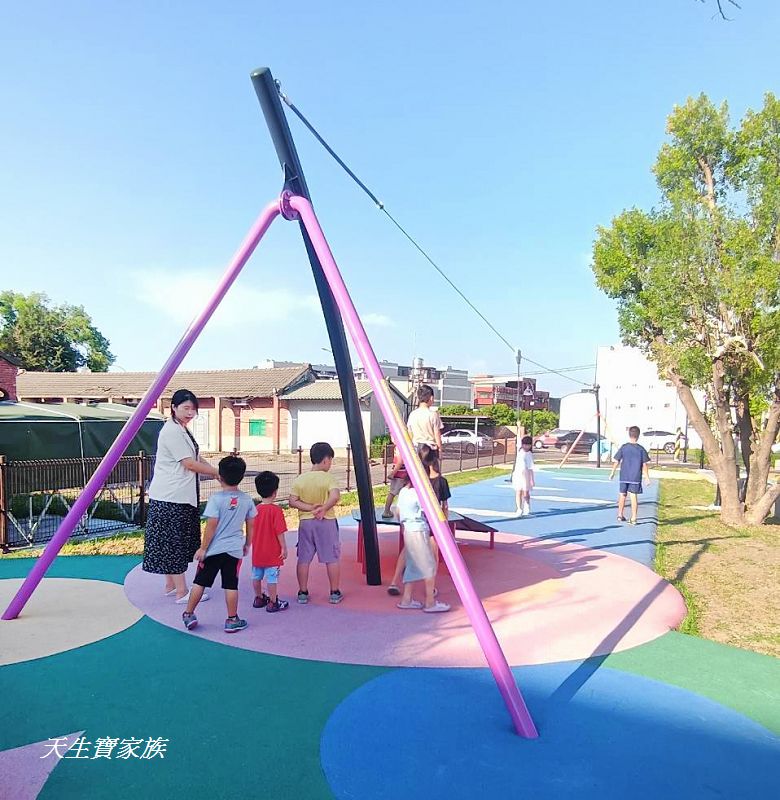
(36, 495)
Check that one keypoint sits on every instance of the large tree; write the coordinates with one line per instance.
(52, 338)
(697, 280)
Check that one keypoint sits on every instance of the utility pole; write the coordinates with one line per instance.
(596, 388)
(518, 357)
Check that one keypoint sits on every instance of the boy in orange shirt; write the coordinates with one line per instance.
(269, 548)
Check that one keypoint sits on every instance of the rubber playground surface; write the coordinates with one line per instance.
(362, 700)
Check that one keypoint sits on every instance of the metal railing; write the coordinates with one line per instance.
(36, 495)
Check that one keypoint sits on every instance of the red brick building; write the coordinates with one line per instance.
(489, 390)
(240, 409)
(9, 367)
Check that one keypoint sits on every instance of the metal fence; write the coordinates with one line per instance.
(36, 495)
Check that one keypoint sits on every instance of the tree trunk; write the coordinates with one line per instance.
(761, 457)
(722, 457)
(757, 513)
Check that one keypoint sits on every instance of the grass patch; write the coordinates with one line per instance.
(727, 576)
(122, 544)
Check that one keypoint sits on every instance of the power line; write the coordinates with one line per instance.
(381, 206)
(559, 370)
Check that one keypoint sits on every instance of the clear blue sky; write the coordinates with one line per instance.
(133, 158)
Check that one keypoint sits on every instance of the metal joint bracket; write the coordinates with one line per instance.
(287, 211)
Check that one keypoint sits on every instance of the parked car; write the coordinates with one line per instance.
(659, 440)
(453, 441)
(549, 439)
(584, 444)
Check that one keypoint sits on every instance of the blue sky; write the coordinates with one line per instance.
(134, 157)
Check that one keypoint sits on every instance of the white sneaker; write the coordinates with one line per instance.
(526, 510)
(182, 600)
(519, 512)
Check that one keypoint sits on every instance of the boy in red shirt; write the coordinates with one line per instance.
(269, 548)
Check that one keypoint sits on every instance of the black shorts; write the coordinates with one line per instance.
(221, 562)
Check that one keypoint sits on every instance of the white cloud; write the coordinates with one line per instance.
(180, 296)
(378, 320)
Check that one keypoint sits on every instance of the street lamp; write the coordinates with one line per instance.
(529, 393)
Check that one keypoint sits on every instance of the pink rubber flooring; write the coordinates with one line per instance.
(547, 601)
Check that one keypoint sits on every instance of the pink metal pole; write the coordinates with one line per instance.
(130, 428)
(292, 205)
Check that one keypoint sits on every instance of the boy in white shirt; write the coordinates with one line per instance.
(523, 476)
(424, 422)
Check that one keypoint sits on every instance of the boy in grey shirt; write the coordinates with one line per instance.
(225, 542)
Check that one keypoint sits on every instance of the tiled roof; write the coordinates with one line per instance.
(11, 359)
(206, 383)
(330, 390)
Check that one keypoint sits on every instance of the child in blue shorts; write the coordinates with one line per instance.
(269, 547)
(633, 460)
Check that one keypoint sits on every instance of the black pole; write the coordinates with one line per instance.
(518, 356)
(294, 181)
(598, 427)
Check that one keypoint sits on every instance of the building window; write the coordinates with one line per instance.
(617, 408)
(667, 405)
(632, 405)
(257, 427)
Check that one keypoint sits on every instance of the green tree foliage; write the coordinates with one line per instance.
(697, 283)
(501, 414)
(456, 411)
(543, 421)
(50, 338)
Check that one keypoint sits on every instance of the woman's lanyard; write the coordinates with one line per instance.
(197, 477)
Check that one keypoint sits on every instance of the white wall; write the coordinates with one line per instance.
(322, 421)
(325, 421)
(578, 412)
(633, 394)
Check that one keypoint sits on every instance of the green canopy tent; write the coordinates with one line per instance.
(36, 431)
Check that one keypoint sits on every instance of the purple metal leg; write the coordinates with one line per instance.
(132, 425)
(460, 577)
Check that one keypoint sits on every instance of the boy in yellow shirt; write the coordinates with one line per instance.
(315, 494)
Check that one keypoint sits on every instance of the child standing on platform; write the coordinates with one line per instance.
(424, 422)
(225, 542)
(315, 494)
(269, 548)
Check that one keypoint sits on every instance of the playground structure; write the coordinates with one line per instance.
(294, 205)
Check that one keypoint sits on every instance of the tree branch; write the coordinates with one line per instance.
(721, 12)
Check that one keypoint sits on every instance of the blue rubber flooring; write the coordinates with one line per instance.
(575, 505)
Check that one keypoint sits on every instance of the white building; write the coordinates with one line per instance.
(317, 414)
(450, 386)
(631, 393)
